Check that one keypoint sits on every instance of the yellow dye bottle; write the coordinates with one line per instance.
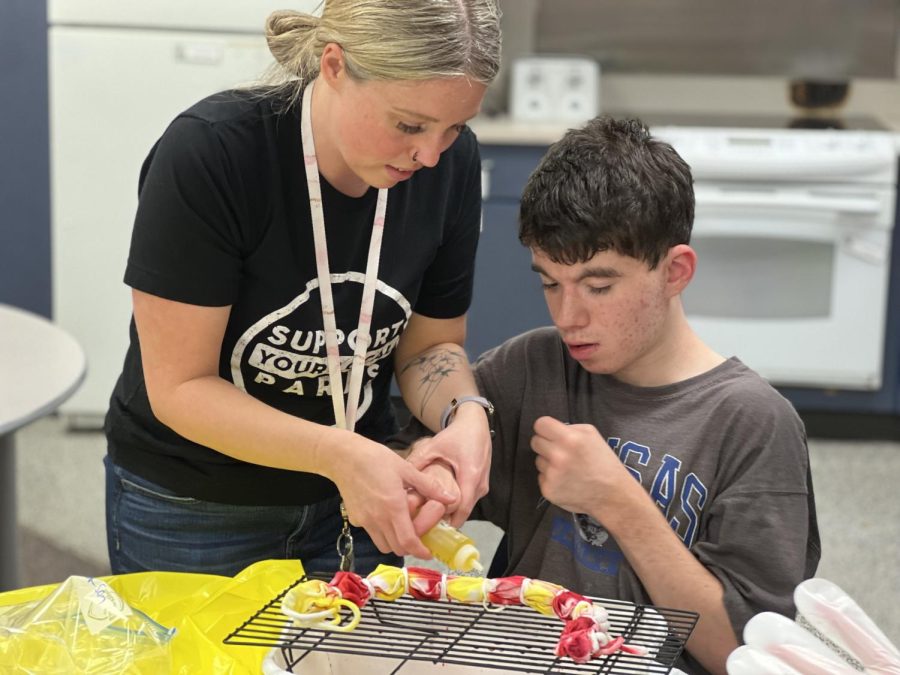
(452, 548)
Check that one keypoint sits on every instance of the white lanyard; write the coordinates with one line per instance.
(363, 338)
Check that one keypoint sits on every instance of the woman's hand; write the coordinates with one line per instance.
(465, 447)
(374, 485)
(432, 369)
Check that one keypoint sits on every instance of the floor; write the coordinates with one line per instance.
(60, 488)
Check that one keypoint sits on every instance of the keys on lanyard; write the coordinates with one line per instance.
(345, 543)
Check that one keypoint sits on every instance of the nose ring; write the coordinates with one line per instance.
(416, 156)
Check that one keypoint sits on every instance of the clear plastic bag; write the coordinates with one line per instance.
(83, 627)
(202, 608)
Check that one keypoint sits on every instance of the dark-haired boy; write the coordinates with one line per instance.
(632, 461)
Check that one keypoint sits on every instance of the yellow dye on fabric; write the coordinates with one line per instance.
(539, 595)
(388, 582)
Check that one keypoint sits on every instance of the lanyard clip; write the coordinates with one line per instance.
(344, 543)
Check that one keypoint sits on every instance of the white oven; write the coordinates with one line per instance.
(793, 232)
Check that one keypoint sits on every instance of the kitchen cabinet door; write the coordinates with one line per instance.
(101, 133)
(507, 299)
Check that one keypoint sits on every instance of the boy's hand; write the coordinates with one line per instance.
(577, 470)
(427, 513)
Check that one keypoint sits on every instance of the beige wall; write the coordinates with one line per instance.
(761, 95)
(639, 94)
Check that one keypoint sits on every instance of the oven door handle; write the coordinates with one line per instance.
(776, 199)
(858, 245)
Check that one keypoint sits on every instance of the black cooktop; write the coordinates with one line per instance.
(850, 123)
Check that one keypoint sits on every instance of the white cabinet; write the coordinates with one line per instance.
(115, 83)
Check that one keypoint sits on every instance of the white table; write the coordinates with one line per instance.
(40, 367)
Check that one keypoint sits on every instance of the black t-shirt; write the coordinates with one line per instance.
(224, 219)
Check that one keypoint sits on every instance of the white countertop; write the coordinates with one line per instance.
(504, 130)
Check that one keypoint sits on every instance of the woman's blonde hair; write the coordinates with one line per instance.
(389, 40)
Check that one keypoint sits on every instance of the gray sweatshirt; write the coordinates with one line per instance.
(723, 454)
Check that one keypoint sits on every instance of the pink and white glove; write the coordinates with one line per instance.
(775, 645)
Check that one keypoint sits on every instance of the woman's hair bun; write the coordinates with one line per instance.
(285, 31)
(283, 21)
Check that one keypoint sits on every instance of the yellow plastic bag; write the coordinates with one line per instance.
(202, 608)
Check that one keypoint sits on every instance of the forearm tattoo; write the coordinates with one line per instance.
(433, 367)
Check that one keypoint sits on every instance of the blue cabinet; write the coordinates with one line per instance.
(507, 298)
(25, 259)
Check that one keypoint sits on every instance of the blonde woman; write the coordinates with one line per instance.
(295, 246)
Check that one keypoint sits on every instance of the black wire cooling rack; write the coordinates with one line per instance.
(518, 638)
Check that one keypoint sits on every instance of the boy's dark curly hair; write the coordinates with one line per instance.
(608, 186)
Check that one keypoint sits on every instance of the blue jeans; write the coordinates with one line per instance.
(148, 527)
